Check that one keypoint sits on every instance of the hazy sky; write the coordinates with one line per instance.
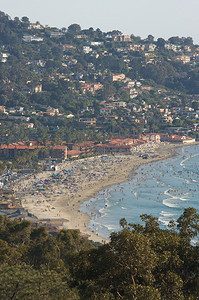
(161, 18)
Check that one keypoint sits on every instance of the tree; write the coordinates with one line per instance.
(91, 32)
(188, 223)
(24, 282)
(175, 40)
(17, 21)
(123, 223)
(99, 33)
(25, 21)
(195, 105)
(142, 292)
(160, 43)
(188, 41)
(74, 29)
(172, 286)
(114, 32)
(109, 90)
(64, 29)
(135, 38)
(150, 38)
(138, 263)
(151, 223)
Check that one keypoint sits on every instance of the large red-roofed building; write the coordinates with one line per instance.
(12, 150)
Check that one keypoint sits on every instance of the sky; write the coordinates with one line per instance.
(161, 18)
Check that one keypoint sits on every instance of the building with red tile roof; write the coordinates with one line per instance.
(124, 146)
(12, 150)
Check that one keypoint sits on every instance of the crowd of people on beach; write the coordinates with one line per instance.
(43, 189)
(40, 192)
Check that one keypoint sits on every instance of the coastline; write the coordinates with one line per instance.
(66, 205)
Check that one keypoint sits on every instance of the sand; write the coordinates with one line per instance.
(62, 197)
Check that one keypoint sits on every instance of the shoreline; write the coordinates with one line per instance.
(66, 205)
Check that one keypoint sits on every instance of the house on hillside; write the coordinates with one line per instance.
(117, 77)
(28, 125)
(68, 47)
(4, 57)
(149, 47)
(56, 34)
(105, 111)
(2, 109)
(121, 38)
(36, 26)
(32, 38)
(95, 43)
(183, 58)
(88, 121)
(91, 87)
(87, 49)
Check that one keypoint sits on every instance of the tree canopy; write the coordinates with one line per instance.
(139, 262)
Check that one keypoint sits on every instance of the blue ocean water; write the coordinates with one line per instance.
(163, 189)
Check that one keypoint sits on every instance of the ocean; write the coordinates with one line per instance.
(163, 189)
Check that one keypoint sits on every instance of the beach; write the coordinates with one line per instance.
(55, 195)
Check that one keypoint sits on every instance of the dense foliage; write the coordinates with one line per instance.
(139, 262)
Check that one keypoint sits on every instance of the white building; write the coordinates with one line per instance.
(3, 57)
(87, 49)
(32, 38)
(36, 25)
(95, 43)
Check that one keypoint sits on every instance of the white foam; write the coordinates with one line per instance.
(111, 227)
(183, 199)
(163, 221)
(187, 181)
(167, 214)
(184, 160)
(168, 202)
(168, 194)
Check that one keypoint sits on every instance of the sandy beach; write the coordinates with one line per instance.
(55, 195)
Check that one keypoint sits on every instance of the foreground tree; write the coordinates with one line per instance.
(188, 223)
(23, 282)
(140, 262)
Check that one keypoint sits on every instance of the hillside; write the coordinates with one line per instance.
(73, 84)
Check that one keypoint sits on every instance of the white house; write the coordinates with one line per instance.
(3, 57)
(32, 38)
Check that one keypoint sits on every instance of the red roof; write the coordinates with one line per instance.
(59, 147)
(30, 146)
(74, 152)
(152, 134)
(113, 146)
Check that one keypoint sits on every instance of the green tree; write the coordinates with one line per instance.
(188, 223)
(123, 223)
(22, 282)
(74, 29)
(160, 43)
(150, 38)
(195, 105)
